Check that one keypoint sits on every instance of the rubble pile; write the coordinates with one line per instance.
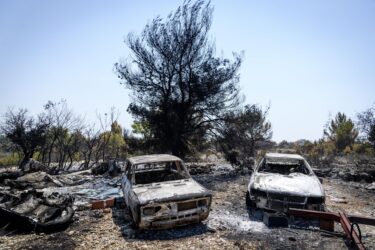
(42, 201)
(350, 169)
(32, 210)
(25, 207)
(196, 168)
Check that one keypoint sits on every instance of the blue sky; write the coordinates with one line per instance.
(308, 59)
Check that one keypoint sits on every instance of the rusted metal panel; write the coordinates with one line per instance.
(362, 220)
(350, 232)
(348, 226)
(313, 214)
(328, 225)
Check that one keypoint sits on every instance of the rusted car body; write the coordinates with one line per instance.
(160, 193)
(282, 181)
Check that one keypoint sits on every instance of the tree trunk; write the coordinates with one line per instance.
(24, 161)
(50, 150)
(70, 156)
(26, 157)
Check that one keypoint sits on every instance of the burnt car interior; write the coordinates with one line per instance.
(284, 167)
(158, 172)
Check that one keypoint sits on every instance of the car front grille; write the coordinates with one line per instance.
(287, 198)
(192, 204)
(182, 206)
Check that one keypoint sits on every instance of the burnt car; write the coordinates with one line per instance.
(282, 181)
(160, 193)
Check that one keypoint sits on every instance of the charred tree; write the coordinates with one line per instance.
(26, 133)
(366, 124)
(240, 133)
(180, 88)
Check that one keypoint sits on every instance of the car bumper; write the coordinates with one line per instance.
(163, 222)
(282, 202)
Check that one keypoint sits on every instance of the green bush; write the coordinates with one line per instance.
(9, 159)
(363, 148)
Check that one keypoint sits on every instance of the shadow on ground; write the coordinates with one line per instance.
(59, 240)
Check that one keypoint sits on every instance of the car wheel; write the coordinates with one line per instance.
(249, 202)
(132, 221)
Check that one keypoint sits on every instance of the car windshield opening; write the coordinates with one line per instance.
(284, 167)
(159, 172)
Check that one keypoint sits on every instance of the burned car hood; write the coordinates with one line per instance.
(169, 191)
(297, 184)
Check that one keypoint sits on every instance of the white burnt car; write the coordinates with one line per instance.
(160, 193)
(281, 181)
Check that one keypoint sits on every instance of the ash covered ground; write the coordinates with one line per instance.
(230, 224)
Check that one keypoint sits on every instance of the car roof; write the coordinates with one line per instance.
(284, 156)
(142, 159)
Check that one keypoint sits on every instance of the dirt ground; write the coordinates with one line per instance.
(229, 226)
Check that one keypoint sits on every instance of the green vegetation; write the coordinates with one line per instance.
(114, 143)
(340, 138)
(11, 159)
(342, 132)
(241, 132)
(59, 136)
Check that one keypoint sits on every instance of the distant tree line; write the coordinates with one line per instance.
(59, 136)
(341, 136)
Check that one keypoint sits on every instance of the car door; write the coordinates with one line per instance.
(126, 184)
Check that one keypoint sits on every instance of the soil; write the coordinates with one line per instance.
(230, 224)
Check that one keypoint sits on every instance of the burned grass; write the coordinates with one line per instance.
(230, 225)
